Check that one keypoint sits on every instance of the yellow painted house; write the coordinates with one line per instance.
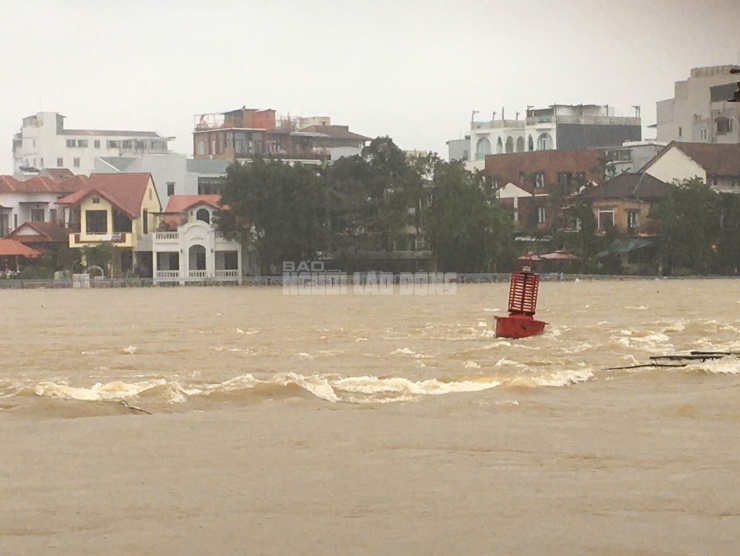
(119, 209)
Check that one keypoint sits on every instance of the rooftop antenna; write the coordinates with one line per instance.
(493, 116)
(517, 116)
(637, 110)
(472, 116)
(503, 117)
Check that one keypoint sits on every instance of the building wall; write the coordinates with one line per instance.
(675, 165)
(685, 116)
(520, 169)
(43, 146)
(576, 137)
(458, 149)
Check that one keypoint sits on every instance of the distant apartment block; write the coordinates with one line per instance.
(699, 111)
(247, 132)
(43, 142)
(557, 127)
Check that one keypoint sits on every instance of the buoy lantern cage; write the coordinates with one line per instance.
(523, 290)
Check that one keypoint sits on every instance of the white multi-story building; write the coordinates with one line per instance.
(557, 127)
(43, 142)
(698, 111)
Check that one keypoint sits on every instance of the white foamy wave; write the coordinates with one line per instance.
(471, 365)
(637, 307)
(504, 362)
(396, 385)
(130, 350)
(111, 391)
(553, 379)
(724, 366)
(410, 352)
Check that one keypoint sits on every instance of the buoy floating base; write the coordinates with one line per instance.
(518, 326)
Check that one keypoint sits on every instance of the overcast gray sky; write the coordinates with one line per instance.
(413, 70)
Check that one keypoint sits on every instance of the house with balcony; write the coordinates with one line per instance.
(118, 209)
(186, 246)
(242, 134)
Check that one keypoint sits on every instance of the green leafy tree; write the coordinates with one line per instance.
(279, 208)
(690, 226)
(469, 230)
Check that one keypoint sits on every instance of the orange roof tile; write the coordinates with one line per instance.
(11, 247)
(181, 203)
(124, 191)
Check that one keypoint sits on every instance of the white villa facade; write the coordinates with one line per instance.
(187, 247)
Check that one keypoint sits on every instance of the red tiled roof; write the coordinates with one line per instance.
(45, 232)
(124, 191)
(11, 248)
(181, 203)
(38, 184)
(716, 159)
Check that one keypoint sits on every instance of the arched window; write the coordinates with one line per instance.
(544, 142)
(482, 148)
(520, 145)
(203, 215)
(509, 145)
(499, 146)
(530, 144)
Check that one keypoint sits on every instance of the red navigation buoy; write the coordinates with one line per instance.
(522, 303)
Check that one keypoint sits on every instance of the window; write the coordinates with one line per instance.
(113, 144)
(209, 186)
(213, 146)
(544, 142)
(632, 220)
(82, 143)
(201, 147)
(53, 215)
(680, 131)
(723, 125)
(581, 177)
(606, 219)
(96, 222)
(564, 178)
(702, 134)
(145, 220)
(96, 200)
(96, 143)
(121, 222)
(60, 162)
(76, 162)
(482, 148)
(530, 144)
(522, 177)
(539, 180)
(170, 188)
(203, 215)
(71, 143)
(541, 215)
(4, 225)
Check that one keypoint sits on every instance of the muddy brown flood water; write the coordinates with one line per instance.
(244, 421)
